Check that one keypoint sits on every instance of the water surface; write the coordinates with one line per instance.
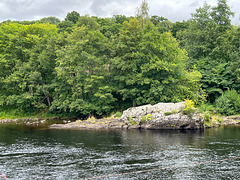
(69, 154)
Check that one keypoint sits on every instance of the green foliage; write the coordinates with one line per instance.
(208, 49)
(72, 17)
(65, 26)
(90, 65)
(131, 121)
(150, 67)
(172, 112)
(143, 120)
(8, 112)
(118, 114)
(119, 19)
(146, 118)
(205, 107)
(83, 74)
(189, 107)
(220, 119)
(228, 103)
(149, 117)
(167, 113)
(90, 23)
(27, 61)
(130, 118)
(51, 20)
(207, 116)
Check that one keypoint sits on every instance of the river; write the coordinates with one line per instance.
(69, 154)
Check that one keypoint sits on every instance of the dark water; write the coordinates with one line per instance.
(68, 154)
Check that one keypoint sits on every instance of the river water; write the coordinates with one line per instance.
(72, 154)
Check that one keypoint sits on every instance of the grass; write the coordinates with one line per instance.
(19, 114)
(91, 118)
(10, 115)
(113, 115)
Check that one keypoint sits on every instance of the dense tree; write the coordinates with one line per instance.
(178, 27)
(119, 19)
(162, 24)
(156, 19)
(82, 74)
(126, 63)
(222, 14)
(89, 22)
(65, 26)
(51, 20)
(150, 67)
(201, 40)
(26, 65)
(91, 65)
(72, 17)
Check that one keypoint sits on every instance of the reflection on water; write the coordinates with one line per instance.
(68, 154)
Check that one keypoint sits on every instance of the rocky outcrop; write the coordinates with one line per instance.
(163, 116)
(156, 111)
(160, 116)
(175, 121)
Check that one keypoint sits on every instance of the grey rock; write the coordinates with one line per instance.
(163, 116)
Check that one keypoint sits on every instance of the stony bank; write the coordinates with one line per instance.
(161, 116)
(165, 116)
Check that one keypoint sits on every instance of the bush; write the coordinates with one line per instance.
(189, 107)
(143, 119)
(146, 118)
(131, 121)
(203, 107)
(149, 117)
(206, 116)
(118, 114)
(228, 103)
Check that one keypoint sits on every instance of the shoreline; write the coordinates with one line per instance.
(107, 124)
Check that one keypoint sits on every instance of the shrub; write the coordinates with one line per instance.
(149, 117)
(189, 107)
(207, 117)
(220, 119)
(131, 121)
(203, 107)
(143, 119)
(118, 114)
(146, 118)
(228, 103)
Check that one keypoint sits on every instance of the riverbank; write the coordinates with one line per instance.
(109, 123)
(119, 124)
(161, 116)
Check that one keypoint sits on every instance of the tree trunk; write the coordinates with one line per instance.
(134, 103)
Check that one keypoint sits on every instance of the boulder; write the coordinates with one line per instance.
(156, 111)
(163, 116)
